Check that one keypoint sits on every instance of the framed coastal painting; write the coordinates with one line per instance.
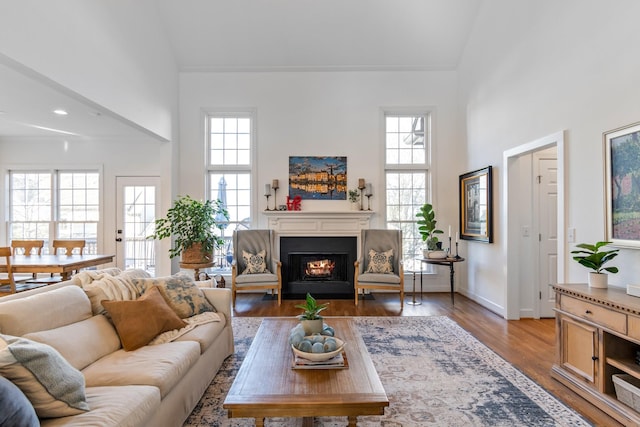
(476, 216)
(319, 177)
(622, 185)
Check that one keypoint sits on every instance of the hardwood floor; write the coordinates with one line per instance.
(528, 344)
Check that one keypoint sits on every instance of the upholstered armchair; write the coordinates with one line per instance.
(380, 264)
(255, 265)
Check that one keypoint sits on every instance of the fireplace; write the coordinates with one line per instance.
(322, 266)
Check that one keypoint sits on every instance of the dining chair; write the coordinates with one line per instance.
(26, 247)
(62, 247)
(7, 284)
(380, 264)
(255, 266)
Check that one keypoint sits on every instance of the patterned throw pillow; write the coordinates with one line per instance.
(52, 385)
(380, 262)
(256, 264)
(180, 292)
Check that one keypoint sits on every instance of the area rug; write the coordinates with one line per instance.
(434, 373)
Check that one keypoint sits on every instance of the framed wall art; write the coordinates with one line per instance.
(319, 178)
(476, 206)
(622, 185)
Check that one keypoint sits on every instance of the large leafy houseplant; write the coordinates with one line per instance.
(427, 226)
(192, 222)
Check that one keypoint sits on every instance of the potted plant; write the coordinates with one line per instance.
(354, 196)
(311, 321)
(427, 228)
(192, 224)
(593, 257)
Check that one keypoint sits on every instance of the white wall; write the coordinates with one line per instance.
(533, 68)
(112, 53)
(324, 113)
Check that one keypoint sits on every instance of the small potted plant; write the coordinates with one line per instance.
(192, 224)
(354, 196)
(594, 258)
(428, 230)
(311, 321)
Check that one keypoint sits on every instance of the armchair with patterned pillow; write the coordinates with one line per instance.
(255, 266)
(380, 264)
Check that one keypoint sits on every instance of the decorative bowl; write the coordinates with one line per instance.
(319, 357)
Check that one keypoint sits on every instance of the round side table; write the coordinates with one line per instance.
(196, 267)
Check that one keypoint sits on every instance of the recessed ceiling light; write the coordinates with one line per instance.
(60, 112)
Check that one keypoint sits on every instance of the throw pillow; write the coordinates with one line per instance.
(380, 262)
(255, 263)
(180, 292)
(140, 321)
(52, 385)
(15, 408)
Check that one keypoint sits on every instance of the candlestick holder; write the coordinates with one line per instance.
(275, 198)
(267, 196)
(457, 256)
(450, 248)
(361, 187)
(368, 201)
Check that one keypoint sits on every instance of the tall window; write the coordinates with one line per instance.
(230, 163)
(55, 205)
(407, 177)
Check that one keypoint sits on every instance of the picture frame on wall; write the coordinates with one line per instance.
(476, 205)
(622, 185)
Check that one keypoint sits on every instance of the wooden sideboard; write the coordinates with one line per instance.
(598, 335)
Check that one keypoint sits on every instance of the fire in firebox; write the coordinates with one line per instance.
(320, 268)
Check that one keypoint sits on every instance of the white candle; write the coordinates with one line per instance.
(456, 237)
(449, 231)
(267, 189)
(368, 192)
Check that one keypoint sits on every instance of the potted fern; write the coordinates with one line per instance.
(192, 223)
(594, 258)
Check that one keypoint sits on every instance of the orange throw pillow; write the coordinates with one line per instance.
(140, 321)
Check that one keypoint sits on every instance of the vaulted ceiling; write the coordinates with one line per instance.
(259, 35)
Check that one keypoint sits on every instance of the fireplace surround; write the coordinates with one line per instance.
(316, 236)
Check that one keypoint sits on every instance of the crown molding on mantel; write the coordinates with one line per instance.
(318, 223)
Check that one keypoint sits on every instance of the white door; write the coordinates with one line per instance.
(137, 207)
(547, 212)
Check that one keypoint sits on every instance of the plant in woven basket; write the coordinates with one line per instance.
(192, 223)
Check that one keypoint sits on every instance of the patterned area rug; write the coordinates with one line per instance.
(434, 373)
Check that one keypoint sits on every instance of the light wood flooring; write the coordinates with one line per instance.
(528, 344)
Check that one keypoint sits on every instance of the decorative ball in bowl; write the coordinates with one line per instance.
(317, 348)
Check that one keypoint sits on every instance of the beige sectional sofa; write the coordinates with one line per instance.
(155, 385)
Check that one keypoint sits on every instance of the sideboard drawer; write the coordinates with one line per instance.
(613, 320)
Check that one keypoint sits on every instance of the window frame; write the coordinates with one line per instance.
(54, 222)
(427, 167)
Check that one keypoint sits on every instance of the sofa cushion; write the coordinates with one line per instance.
(55, 308)
(139, 321)
(123, 406)
(81, 343)
(52, 385)
(204, 334)
(161, 365)
(15, 408)
(181, 293)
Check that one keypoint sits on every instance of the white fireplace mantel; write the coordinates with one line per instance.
(305, 223)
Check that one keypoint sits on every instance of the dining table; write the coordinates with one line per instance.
(60, 264)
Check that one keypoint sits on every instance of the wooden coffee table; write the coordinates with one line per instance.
(266, 386)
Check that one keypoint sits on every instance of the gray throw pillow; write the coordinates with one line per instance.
(15, 408)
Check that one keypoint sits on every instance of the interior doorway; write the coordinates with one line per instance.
(523, 227)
